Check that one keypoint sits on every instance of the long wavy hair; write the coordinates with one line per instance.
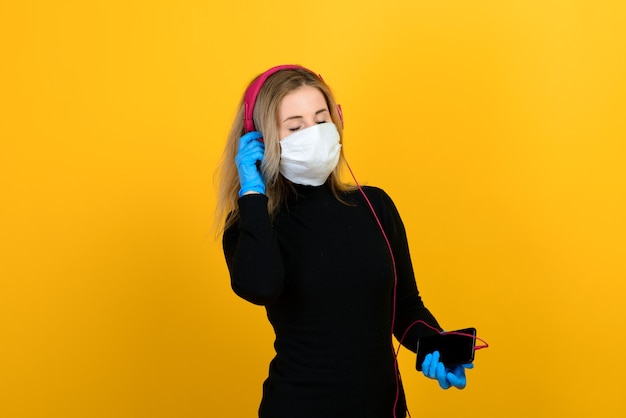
(265, 117)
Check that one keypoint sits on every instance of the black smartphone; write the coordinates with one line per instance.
(455, 347)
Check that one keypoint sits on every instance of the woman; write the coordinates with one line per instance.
(329, 262)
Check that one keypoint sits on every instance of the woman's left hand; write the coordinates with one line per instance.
(446, 376)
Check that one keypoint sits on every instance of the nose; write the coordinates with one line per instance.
(308, 122)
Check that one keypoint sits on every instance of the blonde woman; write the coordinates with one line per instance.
(329, 261)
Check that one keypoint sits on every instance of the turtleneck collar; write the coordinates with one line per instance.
(301, 191)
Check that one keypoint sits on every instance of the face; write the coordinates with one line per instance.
(301, 109)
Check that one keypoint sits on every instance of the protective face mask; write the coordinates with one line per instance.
(308, 156)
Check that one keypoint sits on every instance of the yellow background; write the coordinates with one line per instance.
(496, 126)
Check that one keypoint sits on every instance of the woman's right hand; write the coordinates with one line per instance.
(250, 154)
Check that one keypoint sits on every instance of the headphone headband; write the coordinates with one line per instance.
(249, 98)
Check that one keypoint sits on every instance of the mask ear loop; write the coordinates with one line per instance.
(395, 351)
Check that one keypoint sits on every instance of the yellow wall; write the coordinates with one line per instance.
(497, 126)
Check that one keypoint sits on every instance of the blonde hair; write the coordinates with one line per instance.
(265, 117)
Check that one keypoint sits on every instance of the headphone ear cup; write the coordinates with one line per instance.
(248, 124)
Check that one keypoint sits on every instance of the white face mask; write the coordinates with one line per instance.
(309, 156)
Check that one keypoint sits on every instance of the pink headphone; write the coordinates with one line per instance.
(252, 92)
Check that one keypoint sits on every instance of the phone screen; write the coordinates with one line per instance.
(454, 349)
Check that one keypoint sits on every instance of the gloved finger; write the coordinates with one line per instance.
(456, 377)
(459, 373)
(250, 153)
(442, 377)
(250, 137)
(249, 156)
(251, 145)
(426, 365)
(432, 370)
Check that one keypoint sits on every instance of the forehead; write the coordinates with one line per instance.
(302, 100)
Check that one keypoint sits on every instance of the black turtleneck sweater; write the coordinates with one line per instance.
(325, 275)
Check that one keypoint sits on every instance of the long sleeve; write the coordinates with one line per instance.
(409, 304)
(252, 253)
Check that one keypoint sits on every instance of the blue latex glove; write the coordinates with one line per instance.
(250, 152)
(446, 376)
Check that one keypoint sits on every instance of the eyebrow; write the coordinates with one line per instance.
(301, 117)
